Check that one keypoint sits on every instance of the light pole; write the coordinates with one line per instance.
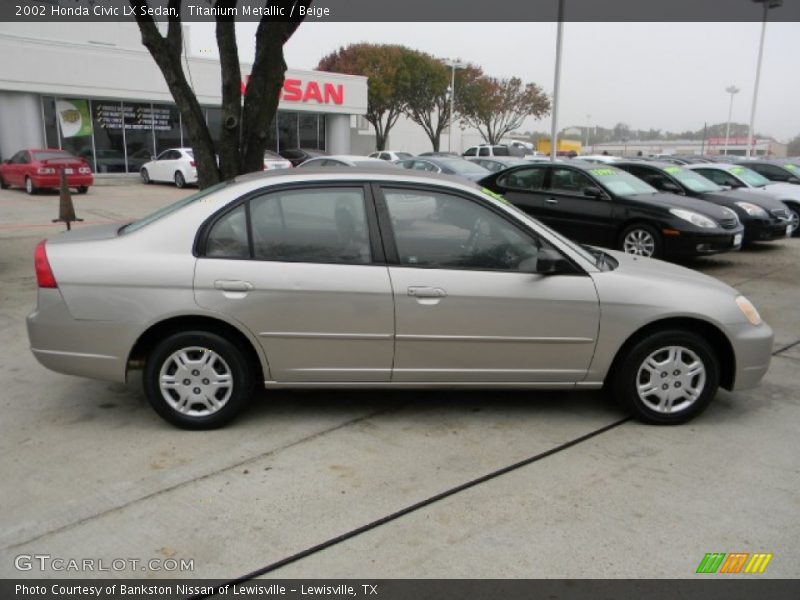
(453, 64)
(732, 90)
(767, 5)
(588, 124)
(557, 83)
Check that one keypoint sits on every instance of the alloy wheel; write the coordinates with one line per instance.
(639, 242)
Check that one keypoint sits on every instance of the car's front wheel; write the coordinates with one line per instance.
(3, 184)
(668, 377)
(180, 180)
(145, 176)
(794, 220)
(198, 380)
(641, 239)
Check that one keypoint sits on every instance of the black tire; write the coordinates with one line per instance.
(83, 189)
(180, 180)
(794, 214)
(3, 184)
(145, 176)
(29, 187)
(631, 372)
(646, 236)
(222, 356)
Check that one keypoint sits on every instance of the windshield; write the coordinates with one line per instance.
(171, 208)
(693, 180)
(749, 177)
(621, 182)
(462, 166)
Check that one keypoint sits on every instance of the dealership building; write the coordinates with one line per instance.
(93, 89)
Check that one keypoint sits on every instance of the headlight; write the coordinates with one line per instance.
(752, 209)
(748, 310)
(694, 218)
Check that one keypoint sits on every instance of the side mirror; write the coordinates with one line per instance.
(669, 186)
(549, 262)
(593, 192)
(152, 157)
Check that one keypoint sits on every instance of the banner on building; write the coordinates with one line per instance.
(73, 116)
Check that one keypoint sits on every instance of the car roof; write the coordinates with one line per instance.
(387, 172)
(714, 165)
(652, 163)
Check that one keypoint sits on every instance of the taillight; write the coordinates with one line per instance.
(44, 274)
(45, 171)
(84, 170)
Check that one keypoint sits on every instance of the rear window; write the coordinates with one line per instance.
(51, 155)
(171, 208)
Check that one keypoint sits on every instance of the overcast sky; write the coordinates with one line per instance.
(669, 76)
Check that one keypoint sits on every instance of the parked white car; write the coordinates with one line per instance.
(391, 155)
(174, 165)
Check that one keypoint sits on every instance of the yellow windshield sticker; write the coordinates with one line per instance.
(494, 195)
(737, 170)
(603, 172)
(672, 169)
(792, 167)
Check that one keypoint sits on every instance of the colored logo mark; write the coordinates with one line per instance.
(735, 562)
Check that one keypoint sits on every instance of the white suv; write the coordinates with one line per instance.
(489, 150)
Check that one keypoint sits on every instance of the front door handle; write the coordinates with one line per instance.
(232, 285)
(551, 201)
(426, 292)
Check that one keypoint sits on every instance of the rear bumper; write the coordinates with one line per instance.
(54, 181)
(94, 349)
(752, 347)
(697, 243)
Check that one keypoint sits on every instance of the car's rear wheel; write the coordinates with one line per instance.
(641, 240)
(145, 176)
(197, 380)
(180, 180)
(29, 186)
(82, 189)
(668, 377)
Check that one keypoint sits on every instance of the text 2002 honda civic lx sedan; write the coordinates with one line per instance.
(350, 278)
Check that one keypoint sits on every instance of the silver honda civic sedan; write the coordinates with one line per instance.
(345, 278)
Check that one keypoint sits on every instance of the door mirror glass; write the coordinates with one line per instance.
(548, 262)
(669, 186)
(592, 191)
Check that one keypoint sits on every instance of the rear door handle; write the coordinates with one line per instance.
(426, 292)
(233, 285)
(551, 201)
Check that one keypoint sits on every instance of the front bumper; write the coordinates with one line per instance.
(752, 347)
(696, 243)
(763, 230)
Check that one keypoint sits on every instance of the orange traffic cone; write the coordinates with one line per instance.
(66, 211)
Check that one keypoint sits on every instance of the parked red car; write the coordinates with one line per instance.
(37, 169)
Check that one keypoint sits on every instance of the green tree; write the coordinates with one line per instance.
(245, 129)
(497, 106)
(386, 66)
(428, 93)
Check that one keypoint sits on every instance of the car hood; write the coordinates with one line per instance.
(752, 195)
(667, 200)
(780, 190)
(657, 272)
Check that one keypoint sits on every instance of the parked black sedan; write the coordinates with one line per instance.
(783, 170)
(606, 206)
(755, 211)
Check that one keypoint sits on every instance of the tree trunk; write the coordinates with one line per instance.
(231, 129)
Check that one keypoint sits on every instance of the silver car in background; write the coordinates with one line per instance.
(385, 279)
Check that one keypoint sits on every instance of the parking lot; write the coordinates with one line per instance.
(90, 471)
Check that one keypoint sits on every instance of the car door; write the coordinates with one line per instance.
(467, 308)
(162, 166)
(15, 168)
(567, 208)
(300, 268)
(524, 188)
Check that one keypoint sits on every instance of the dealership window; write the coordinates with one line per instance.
(308, 130)
(109, 139)
(167, 127)
(138, 134)
(321, 134)
(287, 130)
(51, 138)
(72, 124)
